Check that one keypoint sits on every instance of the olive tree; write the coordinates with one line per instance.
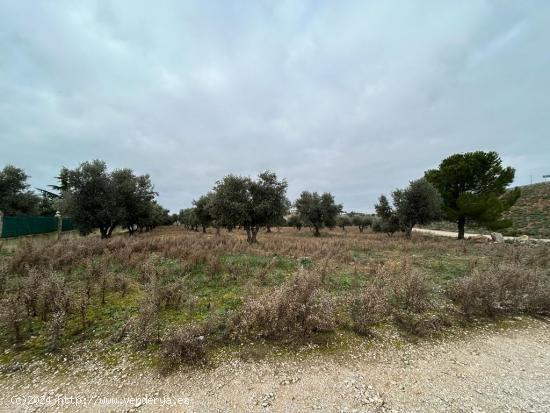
(188, 218)
(134, 196)
(419, 203)
(361, 221)
(89, 197)
(388, 220)
(251, 204)
(294, 221)
(343, 221)
(204, 210)
(97, 198)
(317, 211)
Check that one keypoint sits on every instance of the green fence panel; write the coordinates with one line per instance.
(67, 225)
(16, 226)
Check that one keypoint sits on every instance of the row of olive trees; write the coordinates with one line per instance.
(465, 187)
(469, 187)
(237, 201)
(342, 220)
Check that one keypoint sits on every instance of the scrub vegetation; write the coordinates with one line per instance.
(181, 294)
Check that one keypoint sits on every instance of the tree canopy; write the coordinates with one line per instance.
(361, 221)
(251, 204)
(188, 218)
(388, 221)
(204, 210)
(343, 221)
(96, 198)
(419, 203)
(317, 210)
(472, 186)
(294, 221)
(15, 196)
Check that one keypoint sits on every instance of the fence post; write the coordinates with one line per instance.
(1, 223)
(59, 224)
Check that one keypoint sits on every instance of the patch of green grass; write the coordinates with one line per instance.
(345, 280)
(445, 269)
(270, 270)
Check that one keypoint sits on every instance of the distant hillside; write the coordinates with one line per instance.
(531, 213)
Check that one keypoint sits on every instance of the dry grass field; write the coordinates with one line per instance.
(179, 296)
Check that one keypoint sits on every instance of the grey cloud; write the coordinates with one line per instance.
(352, 97)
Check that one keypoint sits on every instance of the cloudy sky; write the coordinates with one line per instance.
(352, 97)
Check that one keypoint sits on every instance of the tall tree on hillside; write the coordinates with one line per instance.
(473, 187)
(251, 204)
(15, 196)
(419, 203)
(317, 210)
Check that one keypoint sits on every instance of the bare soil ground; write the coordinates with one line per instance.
(497, 368)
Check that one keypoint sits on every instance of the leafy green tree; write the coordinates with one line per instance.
(95, 198)
(281, 222)
(294, 221)
(15, 196)
(317, 210)
(158, 216)
(174, 218)
(134, 196)
(188, 218)
(419, 203)
(383, 208)
(251, 204)
(388, 219)
(343, 221)
(376, 224)
(361, 221)
(89, 197)
(204, 210)
(49, 203)
(472, 186)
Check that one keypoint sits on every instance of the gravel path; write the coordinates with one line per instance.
(488, 369)
(452, 234)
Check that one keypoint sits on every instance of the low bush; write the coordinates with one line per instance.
(12, 317)
(298, 308)
(145, 327)
(421, 324)
(502, 289)
(187, 345)
(368, 308)
(409, 291)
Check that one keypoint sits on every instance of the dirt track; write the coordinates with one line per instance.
(451, 234)
(489, 369)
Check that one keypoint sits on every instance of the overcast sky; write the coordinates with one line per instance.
(352, 97)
